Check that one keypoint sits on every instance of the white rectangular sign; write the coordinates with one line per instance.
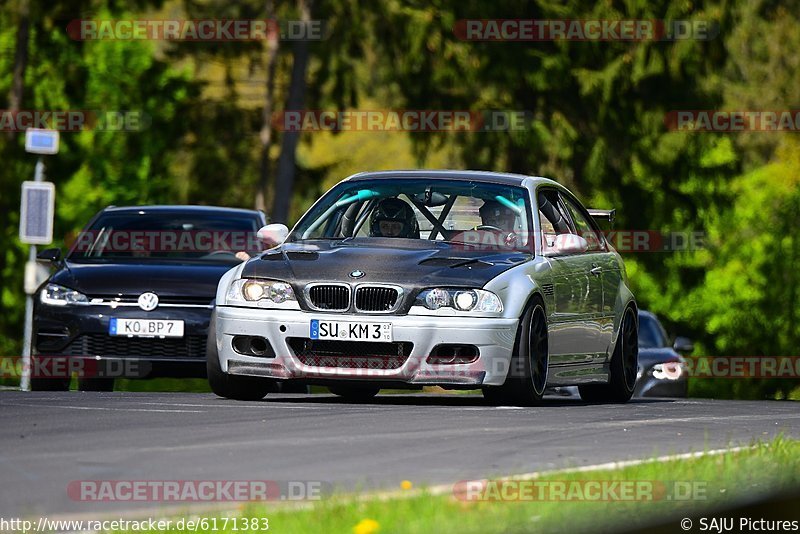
(38, 141)
(36, 213)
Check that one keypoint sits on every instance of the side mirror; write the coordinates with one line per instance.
(273, 234)
(567, 244)
(50, 255)
(683, 346)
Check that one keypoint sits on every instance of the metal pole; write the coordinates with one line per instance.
(27, 340)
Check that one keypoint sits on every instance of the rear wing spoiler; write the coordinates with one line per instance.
(603, 215)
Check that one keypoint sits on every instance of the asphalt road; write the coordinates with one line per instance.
(50, 439)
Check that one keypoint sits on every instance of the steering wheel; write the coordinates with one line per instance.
(218, 252)
(509, 238)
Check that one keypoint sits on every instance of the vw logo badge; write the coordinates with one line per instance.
(357, 274)
(148, 301)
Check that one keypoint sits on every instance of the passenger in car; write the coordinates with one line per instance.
(498, 216)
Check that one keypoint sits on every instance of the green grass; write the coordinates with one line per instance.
(184, 385)
(726, 478)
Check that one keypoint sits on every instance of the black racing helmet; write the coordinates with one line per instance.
(397, 217)
(493, 213)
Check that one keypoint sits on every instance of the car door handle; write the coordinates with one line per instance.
(596, 270)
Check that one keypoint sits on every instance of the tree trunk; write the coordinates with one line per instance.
(20, 60)
(284, 181)
(269, 105)
(8, 178)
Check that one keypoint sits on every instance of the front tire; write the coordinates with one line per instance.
(95, 384)
(46, 384)
(623, 369)
(294, 387)
(527, 376)
(242, 388)
(49, 384)
(355, 393)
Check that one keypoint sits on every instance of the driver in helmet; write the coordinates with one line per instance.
(498, 216)
(393, 217)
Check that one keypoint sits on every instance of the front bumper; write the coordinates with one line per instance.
(653, 387)
(493, 337)
(81, 334)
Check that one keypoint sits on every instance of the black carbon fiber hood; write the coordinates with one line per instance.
(411, 263)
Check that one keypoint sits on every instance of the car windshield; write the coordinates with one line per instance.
(651, 334)
(167, 236)
(455, 211)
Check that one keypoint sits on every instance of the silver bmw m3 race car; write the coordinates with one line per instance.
(404, 279)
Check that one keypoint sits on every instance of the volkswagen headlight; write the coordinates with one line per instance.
(668, 371)
(56, 295)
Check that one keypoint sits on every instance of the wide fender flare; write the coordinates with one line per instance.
(225, 282)
(625, 300)
(518, 285)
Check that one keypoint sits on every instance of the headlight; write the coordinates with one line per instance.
(469, 300)
(56, 295)
(668, 371)
(435, 298)
(246, 290)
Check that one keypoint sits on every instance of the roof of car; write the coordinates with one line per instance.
(180, 208)
(504, 178)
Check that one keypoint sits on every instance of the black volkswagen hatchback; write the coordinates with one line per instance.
(133, 296)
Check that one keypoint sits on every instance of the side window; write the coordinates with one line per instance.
(548, 231)
(582, 225)
(552, 219)
(464, 214)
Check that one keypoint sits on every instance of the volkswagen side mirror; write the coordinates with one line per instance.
(683, 345)
(49, 255)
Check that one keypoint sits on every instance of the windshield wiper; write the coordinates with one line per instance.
(458, 262)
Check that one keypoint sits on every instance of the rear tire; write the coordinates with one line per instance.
(355, 393)
(623, 368)
(527, 376)
(242, 388)
(95, 384)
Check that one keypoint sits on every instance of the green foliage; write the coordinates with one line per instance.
(596, 113)
(714, 481)
(748, 301)
(126, 167)
(93, 168)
